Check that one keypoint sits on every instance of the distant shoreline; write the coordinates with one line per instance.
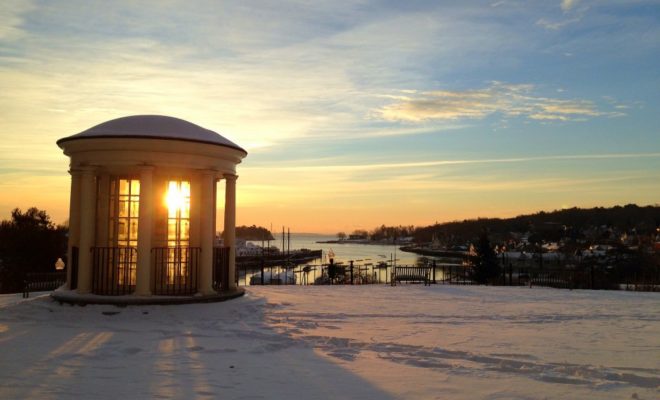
(434, 253)
(366, 242)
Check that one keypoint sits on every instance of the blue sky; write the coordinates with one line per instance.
(354, 113)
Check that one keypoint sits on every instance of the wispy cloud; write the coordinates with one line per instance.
(430, 184)
(11, 15)
(568, 4)
(572, 12)
(313, 73)
(303, 82)
(556, 25)
(436, 163)
(510, 100)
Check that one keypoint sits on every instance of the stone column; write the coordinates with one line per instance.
(145, 226)
(74, 223)
(207, 232)
(87, 228)
(103, 217)
(230, 227)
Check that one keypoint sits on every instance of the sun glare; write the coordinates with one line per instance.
(177, 195)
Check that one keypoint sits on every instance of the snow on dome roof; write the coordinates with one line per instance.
(153, 127)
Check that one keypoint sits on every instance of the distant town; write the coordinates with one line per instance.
(590, 232)
(614, 245)
(594, 231)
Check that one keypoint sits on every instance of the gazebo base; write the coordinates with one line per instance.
(73, 298)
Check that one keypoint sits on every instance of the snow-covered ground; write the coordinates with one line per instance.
(341, 342)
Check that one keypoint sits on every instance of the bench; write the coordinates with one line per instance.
(42, 281)
(411, 274)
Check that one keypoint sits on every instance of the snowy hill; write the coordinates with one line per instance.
(368, 342)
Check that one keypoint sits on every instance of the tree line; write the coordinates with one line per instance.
(547, 226)
(253, 233)
(29, 242)
(389, 233)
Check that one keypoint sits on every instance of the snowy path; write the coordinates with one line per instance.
(373, 342)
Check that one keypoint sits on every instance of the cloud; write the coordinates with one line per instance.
(556, 25)
(11, 15)
(566, 5)
(571, 14)
(315, 167)
(349, 188)
(509, 100)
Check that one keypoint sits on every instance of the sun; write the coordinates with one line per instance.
(175, 197)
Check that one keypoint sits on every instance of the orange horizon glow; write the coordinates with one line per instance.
(320, 208)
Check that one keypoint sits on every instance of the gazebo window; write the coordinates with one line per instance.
(178, 230)
(123, 226)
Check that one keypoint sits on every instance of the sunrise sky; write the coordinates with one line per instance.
(354, 113)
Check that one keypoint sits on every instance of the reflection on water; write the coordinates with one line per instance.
(365, 257)
(344, 252)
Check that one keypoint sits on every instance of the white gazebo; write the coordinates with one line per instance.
(143, 209)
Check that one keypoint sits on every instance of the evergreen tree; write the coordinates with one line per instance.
(486, 268)
(29, 242)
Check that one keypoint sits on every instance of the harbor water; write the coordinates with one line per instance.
(365, 257)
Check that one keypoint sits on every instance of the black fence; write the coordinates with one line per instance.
(576, 277)
(42, 281)
(314, 274)
(113, 270)
(220, 268)
(176, 270)
(586, 276)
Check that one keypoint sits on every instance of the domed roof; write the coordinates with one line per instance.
(153, 127)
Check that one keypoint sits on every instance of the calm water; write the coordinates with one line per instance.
(344, 252)
(361, 254)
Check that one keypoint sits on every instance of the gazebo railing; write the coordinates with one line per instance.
(220, 268)
(113, 270)
(176, 270)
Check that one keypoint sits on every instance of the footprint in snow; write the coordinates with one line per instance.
(132, 350)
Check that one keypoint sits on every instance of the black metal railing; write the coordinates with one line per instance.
(577, 277)
(113, 270)
(42, 281)
(454, 274)
(220, 268)
(176, 270)
(580, 277)
(313, 274)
